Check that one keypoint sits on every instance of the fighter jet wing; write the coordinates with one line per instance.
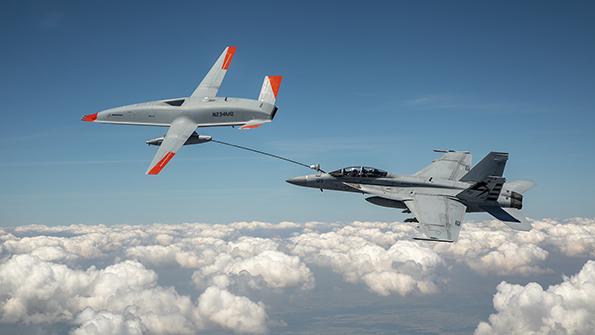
(210, 84)
(176, 136)
(452, 166)
(440, 217)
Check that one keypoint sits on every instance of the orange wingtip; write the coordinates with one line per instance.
(90, 117)
(162, 163)
(275, 83)
(251, 126)
(228, 56)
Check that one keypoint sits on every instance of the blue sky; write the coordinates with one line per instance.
(379, 84)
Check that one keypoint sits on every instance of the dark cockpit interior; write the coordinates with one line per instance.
(359, 171)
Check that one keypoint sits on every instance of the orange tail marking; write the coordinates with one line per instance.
(275, 83)
(228, 56)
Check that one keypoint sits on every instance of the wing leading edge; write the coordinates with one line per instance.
(176, 136)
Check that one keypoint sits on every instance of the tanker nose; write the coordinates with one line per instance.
(90, 117)
(299, 181)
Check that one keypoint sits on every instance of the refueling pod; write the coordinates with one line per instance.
(193, 139)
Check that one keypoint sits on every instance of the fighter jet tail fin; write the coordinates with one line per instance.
(491, 165)
(270, 89)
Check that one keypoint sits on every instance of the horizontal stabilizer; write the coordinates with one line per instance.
(512, 217)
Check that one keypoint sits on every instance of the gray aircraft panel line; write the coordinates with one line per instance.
(203, 108)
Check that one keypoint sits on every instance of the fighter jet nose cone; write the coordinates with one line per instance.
(90, 117)
(299, 181)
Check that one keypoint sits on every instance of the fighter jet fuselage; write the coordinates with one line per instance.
(401, 188)
(439, 195)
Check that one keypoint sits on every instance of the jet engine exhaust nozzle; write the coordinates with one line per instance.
(516, 200)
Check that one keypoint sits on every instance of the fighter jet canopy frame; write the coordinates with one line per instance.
(359, 171)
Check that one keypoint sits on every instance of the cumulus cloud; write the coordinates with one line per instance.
(105, 279)
(41, 280)
(232, 312)
(490, 247)
(92, 323)
(123, 298)
(567, 308)
(573, 237)
(221, 261)
(403, 268)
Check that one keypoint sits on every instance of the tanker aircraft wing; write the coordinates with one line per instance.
(210, 84)
(452, 166)
(439, 217)
(178, 133)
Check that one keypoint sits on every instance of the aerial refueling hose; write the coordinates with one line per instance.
(313, 167)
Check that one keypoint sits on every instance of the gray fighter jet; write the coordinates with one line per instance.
(202, 109)
(438, 195)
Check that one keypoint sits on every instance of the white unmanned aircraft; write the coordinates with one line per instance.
(202, 109)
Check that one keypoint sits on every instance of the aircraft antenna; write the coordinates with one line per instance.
(315, 167)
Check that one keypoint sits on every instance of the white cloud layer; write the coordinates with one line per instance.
(567, 308)
(359, 253)
(490, 247)
(47, 274)
(123, 298)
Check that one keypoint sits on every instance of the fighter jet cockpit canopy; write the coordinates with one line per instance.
(359, 171)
